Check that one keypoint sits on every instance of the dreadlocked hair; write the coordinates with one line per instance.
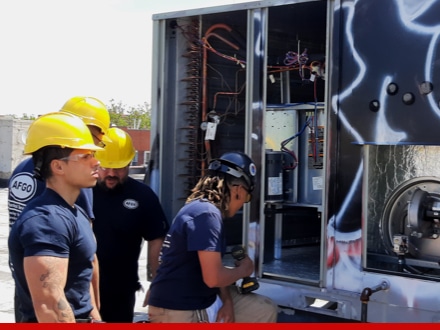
(214, 189)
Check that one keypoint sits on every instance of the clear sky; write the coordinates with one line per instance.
(54, 49)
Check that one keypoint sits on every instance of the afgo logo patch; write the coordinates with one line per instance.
(23, 187)
(252, 169)
(131, 204)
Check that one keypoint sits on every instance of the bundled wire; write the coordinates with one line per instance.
(297, 60)
(290, 139)
(294, 59)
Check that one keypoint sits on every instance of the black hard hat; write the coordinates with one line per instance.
(238, 165)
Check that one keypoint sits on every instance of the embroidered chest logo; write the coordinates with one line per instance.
(130, 204)
(23, 187)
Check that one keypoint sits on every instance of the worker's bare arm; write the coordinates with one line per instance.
(46, 277)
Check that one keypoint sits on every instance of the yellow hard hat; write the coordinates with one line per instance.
(119, 152)
(58, 129)
(91, 110)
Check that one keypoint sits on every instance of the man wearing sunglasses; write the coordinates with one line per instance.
(51, 243)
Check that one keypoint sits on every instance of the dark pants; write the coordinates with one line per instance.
(17, 307)
(117, 307)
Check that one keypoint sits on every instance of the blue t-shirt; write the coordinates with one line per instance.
(123, 217)
(23, 187)
(178, 284)
(48, 226)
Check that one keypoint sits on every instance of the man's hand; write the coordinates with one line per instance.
(246, 265)
(147, 296)
(226, 313)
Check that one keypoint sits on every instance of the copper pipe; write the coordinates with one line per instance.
(223, 93)
(207, 35)
(222, 39)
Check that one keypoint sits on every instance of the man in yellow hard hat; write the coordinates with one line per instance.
(24, 184)
(127, 212)
(51, 244)
(94, 114)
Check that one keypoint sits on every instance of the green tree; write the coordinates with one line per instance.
(135, 117)
(29, 117)
(24, 116)
(116, 111)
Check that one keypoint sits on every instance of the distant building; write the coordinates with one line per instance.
(141, 142)
(13, 137)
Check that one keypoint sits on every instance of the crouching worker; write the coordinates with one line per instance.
(51, 244)
(191, 283)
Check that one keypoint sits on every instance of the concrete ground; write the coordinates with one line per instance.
(6, 281)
